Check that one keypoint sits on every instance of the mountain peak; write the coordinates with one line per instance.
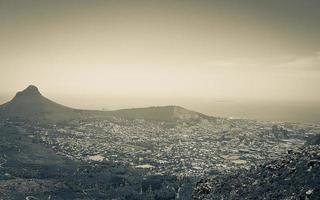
(31, 104)
(31, 87)
(31, 90)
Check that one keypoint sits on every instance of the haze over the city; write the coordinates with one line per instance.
(256, 59)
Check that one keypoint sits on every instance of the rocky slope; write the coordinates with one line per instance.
(296, 176)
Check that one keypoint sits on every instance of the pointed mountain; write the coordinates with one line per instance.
(30, 104)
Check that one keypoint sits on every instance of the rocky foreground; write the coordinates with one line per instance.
(296, 176)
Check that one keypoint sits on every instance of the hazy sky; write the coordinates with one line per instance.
(158, 49)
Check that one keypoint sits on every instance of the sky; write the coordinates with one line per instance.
(94, 54)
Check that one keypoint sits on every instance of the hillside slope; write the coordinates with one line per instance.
(163, 113)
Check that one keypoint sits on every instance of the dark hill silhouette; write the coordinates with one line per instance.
(161, 113)
(32, 105)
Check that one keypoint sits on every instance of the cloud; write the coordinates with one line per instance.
(234, 64)
(285, 63)
(311, 62)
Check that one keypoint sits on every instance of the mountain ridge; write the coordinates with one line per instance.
(31, 104)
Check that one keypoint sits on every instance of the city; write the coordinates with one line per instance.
(181, 148)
